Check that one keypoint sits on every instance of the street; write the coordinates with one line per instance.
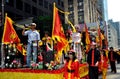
(113, 75)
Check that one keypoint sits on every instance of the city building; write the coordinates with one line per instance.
(116, 25)
(112, 35)
(82, 11)
(22, 9)
(105, 10)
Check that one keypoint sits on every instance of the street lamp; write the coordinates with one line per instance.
(3, 12)
(2, 51)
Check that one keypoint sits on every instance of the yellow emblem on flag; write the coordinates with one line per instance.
(12, 36)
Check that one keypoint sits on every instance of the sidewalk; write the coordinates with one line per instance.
(112, 75)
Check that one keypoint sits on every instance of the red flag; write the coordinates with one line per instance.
(9, 34)
(58, 33)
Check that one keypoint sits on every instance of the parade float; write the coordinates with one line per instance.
(13, 53)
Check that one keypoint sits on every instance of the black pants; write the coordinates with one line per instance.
(93, 72)
(113, 66)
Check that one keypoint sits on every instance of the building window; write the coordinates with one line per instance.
(71, 12)
(50, 6)
(70, 2)
(27, 8)
(71, 5)
(62, 3)
(108, 30)
(34, 10)
(109, 33)
(70, 8)
(41, 2)
(71, 15)
(108, 26)
(81, 19)
(11, 3)
(34, 1)
(40, 12)
(19, 4)
(46, 4)
(58, 2)
(80, 13)
(80, 4)
(80, 1)
(81, 10)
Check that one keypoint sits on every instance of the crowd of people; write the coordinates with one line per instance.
(98, 59)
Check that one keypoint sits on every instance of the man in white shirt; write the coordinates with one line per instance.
(33, 38)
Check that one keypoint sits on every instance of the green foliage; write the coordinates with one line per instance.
(44, 23)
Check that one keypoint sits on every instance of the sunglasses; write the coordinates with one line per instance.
(70, 53)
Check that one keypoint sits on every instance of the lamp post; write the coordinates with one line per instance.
(2, 51)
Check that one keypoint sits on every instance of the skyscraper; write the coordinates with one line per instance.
(82, 11)
(113, 34)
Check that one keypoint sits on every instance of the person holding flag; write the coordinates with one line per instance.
(33, 39)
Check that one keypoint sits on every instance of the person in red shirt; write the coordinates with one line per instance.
(112, 59)
(71, 68)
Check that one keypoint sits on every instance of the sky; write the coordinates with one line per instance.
(114, 10)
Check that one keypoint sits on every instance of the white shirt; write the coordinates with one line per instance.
(32, 35)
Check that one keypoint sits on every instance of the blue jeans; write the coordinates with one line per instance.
(31, 54)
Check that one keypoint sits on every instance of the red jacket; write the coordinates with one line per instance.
(71, 70)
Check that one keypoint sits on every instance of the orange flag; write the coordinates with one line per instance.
(10, 35)
(100, 36)
(87, 40)
(58, 32)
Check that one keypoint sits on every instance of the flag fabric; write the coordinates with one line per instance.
(10, 35)
(58, 33)
(87, 40)
(100, 36)
(48, 48)
(21, 49)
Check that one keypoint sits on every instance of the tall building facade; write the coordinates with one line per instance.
(112, 35)
(102, 7)
(116, 25)
(21, 9)
(82, 11)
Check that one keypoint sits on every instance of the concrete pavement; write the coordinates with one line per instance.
(111, 75)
